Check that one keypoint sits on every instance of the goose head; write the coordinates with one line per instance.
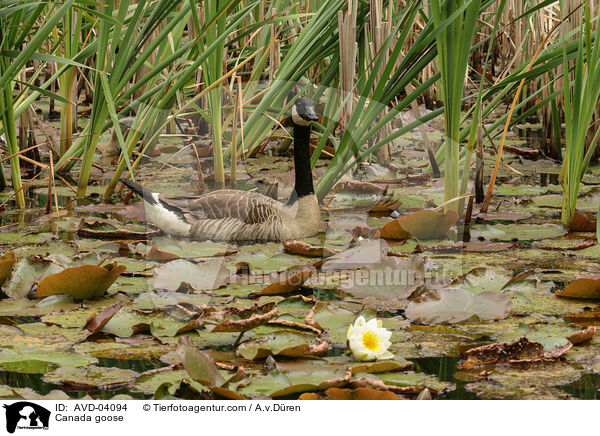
(303, 112)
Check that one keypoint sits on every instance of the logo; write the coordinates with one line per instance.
(26, 415)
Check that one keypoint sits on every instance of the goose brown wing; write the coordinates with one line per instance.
(228, 203)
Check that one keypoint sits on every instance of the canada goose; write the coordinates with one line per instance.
(241, 216)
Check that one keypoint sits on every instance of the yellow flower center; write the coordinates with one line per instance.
(370, 341)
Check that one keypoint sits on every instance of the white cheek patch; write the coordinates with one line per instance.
(297, 118)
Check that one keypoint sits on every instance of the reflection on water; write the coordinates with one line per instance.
(586, 388)
(444, 368)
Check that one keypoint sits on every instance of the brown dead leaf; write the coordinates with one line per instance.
(160, 256)
(304, 249)
(86, 281)
(583, 222)
(583, 287)
(519, 350)
(96, 322)
(6, 263)
(380, 385)
(424, 224)
(289, 281)
(294, 325)
(583, 335)
(241, 320)
(585, 318)
(351, 394)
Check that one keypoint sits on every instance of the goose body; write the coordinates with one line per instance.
(242, 216)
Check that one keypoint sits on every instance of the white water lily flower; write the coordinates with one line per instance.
(369, 340)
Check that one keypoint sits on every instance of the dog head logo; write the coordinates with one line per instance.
(24, 414)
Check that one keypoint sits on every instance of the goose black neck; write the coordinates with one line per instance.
(304, 181)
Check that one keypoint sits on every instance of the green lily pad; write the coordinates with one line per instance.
(91, 377)
(517, 232)
(41, 361)
(282, 343)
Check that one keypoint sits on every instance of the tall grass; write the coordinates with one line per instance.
(580, 104)
(453, 48)
(21, 37)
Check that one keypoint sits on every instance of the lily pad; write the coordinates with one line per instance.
(282, 343)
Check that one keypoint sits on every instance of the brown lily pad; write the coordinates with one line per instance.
(94, 323)
(6, 263)
(583, 287)
(350, 394)
(304, 249)
(583, 222)
(583, 335)
(424, 224)
(289, 281)
(241, 320)
(160, 256)
(519, 350)
(86, 281)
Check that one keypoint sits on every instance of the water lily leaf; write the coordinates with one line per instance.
(112, 229)
(392, 278)
(583, 222)
(504, 216)
(582, 336)
(87, 281)
(199, 365)
(517, 232)
(159, 255)
(367, 252)
(482, 279)
(379, 366)
(582, 287)
(456, 304)
(518, 350)
(282, 343)
(41, 361)
(351, 394)
(280, 384)
(25, 274)
(424, 224)
(6, 264)
(166, 247)
(260, 262)
(287, 282)
(95, 322)
(91, 377)
(233, 319)
(205, 276)
(304, 249)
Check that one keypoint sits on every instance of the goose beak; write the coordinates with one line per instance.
(309, 114)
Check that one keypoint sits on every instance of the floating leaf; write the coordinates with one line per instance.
(304, 249)
(198, 364)
(95, 322)
(583, 222)
(282, 343)
(287, 282)
(519, 350)
(87, 281)
(583, 335)
(424, 224)
(351, 394)
(205, 276)
(6, 263)
(91, 377)
(582, 287)
(456, 304)
(367, 252)
(241, 320)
